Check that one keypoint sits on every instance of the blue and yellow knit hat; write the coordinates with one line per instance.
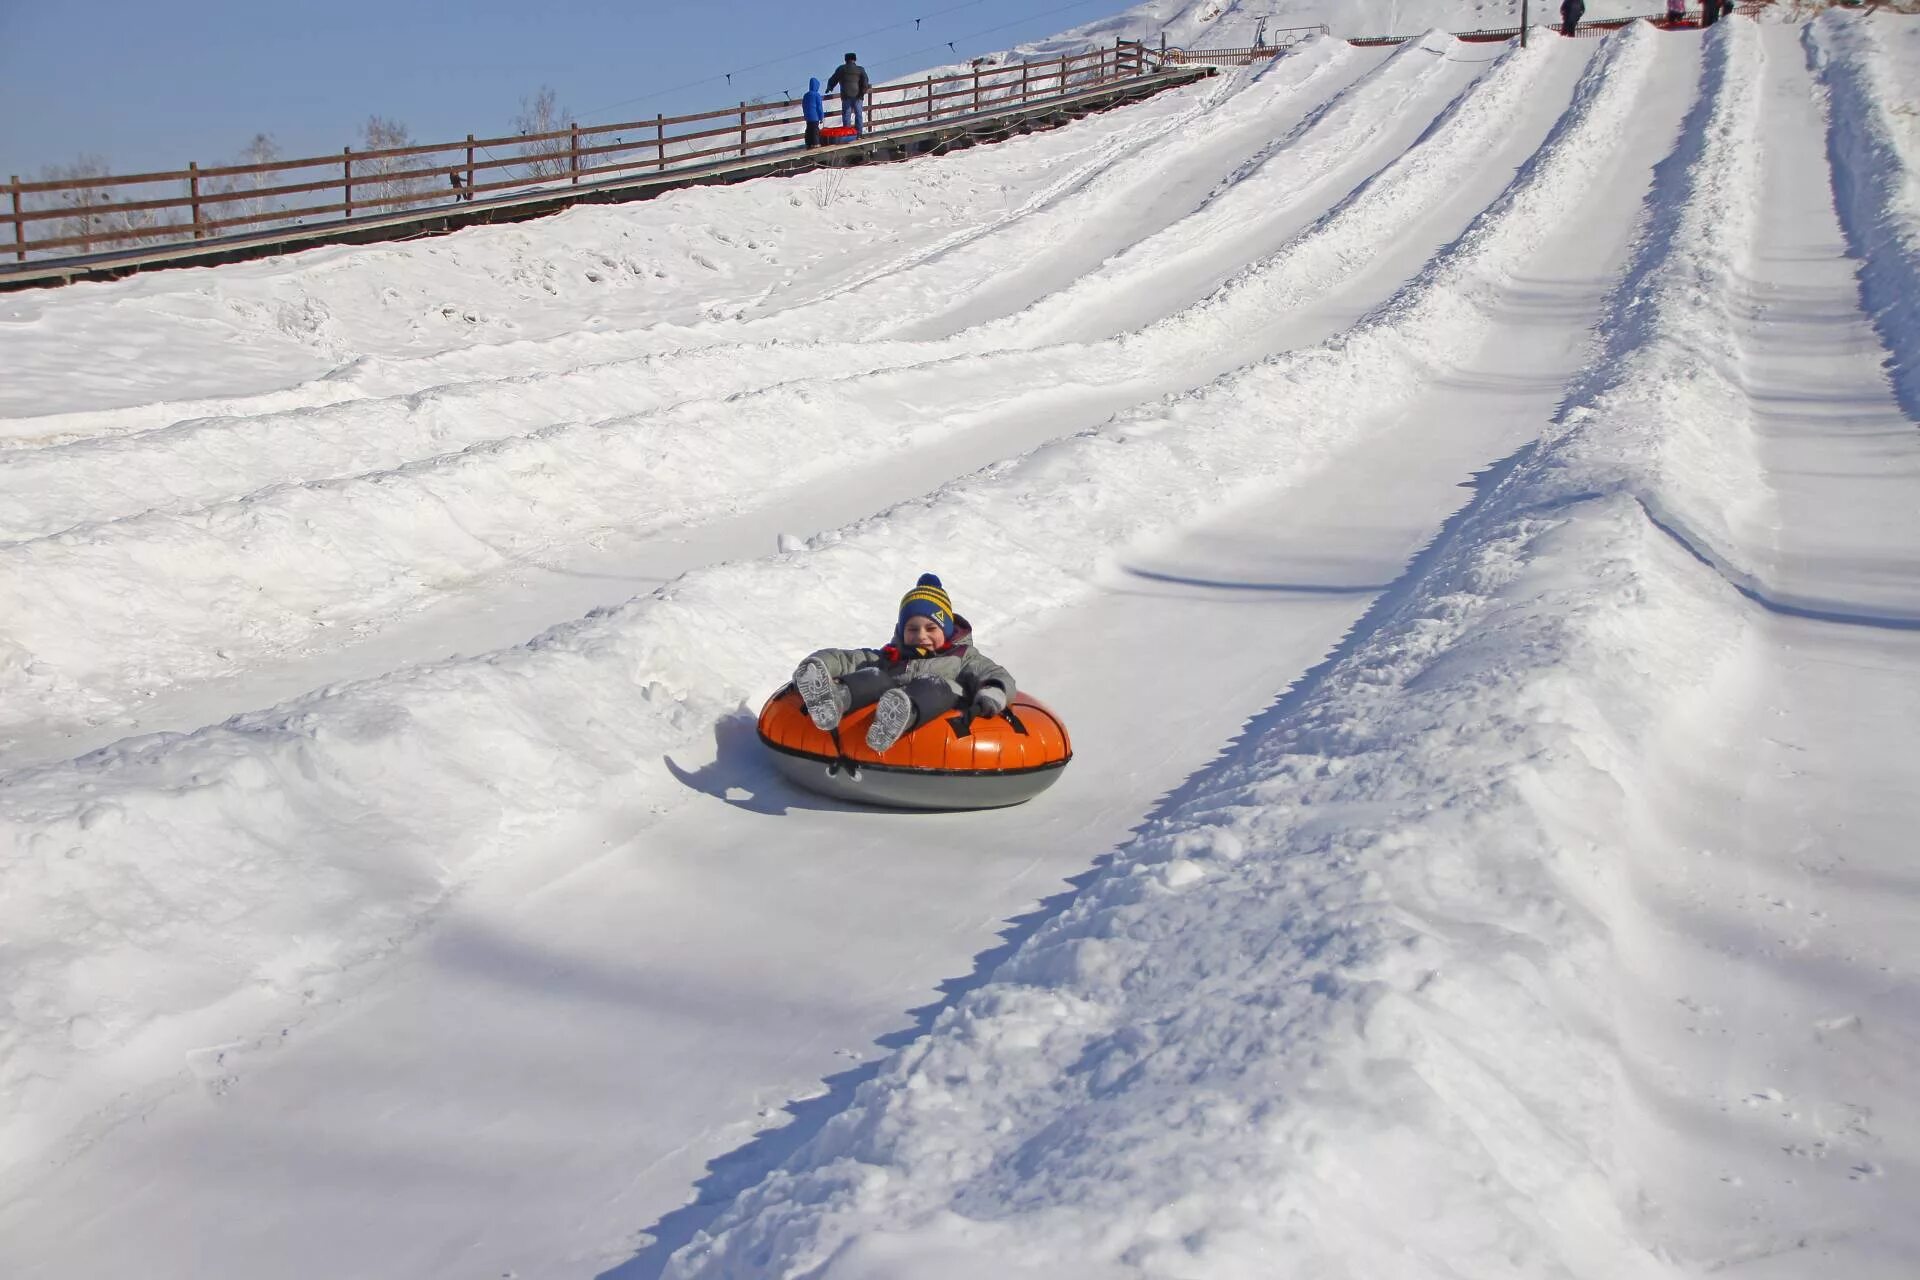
(927, 599)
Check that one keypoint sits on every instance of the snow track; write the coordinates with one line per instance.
(503, 502)
(1494, 439)
(203, 460)
(1874, 147)
(523, 313)
(1379, 1015)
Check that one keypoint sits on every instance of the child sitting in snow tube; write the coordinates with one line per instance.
(943, 726)
(930, 668)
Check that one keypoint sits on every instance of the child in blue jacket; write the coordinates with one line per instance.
(814, 108)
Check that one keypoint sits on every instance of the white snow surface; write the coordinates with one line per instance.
(1869, 68)
(1464, 500)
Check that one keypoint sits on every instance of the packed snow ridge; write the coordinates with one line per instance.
(1464, 499)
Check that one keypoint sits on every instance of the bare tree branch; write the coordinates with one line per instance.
(389, 176)
(543, 114)
(262, 149)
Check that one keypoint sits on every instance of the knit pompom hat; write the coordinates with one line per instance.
(928, 599)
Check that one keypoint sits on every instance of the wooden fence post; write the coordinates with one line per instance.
(976, 89)
(193, 197)
(929, 98)
(19, 223)
(573, 151)
(1023, 83)
(346, 177)
(469, 192)
(659, 141)
(743, 131)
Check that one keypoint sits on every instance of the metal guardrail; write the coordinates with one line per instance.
(1283, 39)
(94, 214)
(1596, 27)
(1490, 34)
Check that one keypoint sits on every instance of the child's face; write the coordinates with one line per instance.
(922, 632)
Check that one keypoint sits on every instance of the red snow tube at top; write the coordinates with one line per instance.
(955, 761)
(838, 133)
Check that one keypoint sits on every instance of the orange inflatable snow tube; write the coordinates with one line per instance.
(955, 761)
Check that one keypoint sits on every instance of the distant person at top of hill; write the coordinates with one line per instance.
(1571, 11)
(851, 79)
(814, 109)
(1676, 12)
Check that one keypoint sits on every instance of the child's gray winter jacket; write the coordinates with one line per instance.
(959, 663)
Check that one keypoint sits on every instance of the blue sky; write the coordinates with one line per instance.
(151, 86)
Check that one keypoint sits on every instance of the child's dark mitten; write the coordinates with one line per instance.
(990, 701)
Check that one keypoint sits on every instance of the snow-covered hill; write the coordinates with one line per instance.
(1462, 499)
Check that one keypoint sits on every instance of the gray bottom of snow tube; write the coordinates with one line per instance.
(914, 788)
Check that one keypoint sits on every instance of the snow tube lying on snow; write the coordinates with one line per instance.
(957, 761)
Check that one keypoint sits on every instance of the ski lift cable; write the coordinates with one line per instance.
(911, 54)
(839, 43)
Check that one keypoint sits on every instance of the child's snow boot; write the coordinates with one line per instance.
(826, 700)
(892, 716)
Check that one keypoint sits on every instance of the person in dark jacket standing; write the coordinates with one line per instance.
(1571, 11)
(814, 109)
(1710, 11)
(851, 79)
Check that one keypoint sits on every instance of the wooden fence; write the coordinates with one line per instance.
(89, 214)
